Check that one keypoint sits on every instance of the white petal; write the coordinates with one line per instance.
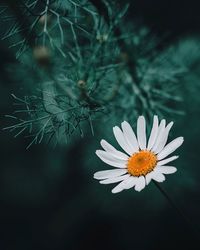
(157, 176)
(125, 184)
(130, 136)
(109, 173)
(109, 148)
(140, 183)
(170, 148)
(165, 161)
(166, 169)
(119, 187)
(161, 129)
(114, 179)
(148, 177)
(154, 133)
(164, 138)
(110, 160)
(121, 140)
(130, 182)
(141, 132)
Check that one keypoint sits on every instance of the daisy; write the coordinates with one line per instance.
(142, 161)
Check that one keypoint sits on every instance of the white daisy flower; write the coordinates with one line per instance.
(142, 161)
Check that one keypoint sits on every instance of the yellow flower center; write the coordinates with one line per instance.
(141, 163)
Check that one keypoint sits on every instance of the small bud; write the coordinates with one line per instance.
(44, 18)
(102, 37)
(42, 55)
(81, 83)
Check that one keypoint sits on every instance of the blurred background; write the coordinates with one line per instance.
(48, 197)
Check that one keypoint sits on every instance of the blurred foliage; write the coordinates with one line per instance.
(85, 61)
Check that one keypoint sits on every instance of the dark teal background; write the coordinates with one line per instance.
(48, 198)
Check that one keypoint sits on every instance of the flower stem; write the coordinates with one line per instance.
(172, 203)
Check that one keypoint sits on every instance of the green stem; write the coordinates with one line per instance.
(173, 204)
